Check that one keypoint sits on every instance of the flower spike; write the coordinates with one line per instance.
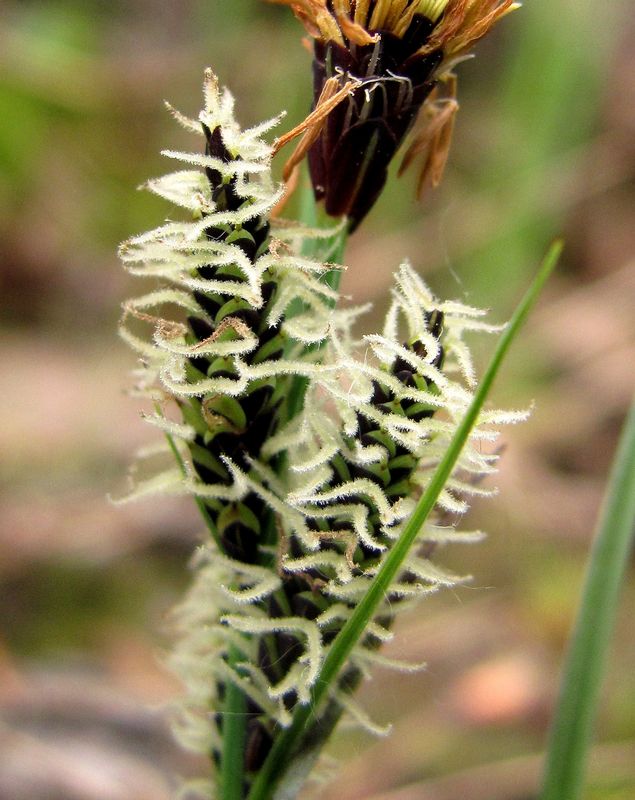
(302, 511)
(397, 52)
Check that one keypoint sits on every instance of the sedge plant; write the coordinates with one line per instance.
(328, 469)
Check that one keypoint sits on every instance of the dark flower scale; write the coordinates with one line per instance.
(226, 426)
(349, 161)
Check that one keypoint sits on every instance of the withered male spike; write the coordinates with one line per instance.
(349, 160)
(398, 51)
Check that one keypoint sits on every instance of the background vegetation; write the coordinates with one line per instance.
(544, 144)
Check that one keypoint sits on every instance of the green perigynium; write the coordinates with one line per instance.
(304, 507)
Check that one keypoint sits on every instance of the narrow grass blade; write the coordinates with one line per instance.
(572, 726)
(281, 753)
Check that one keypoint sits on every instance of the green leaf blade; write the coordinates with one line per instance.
(572, 726)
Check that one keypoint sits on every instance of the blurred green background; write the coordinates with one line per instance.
(544, 145)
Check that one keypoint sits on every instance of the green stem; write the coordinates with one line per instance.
(582, 677)
(273, 769)
(234, 727)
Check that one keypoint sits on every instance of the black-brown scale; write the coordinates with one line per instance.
(349, 161)
(239, 535)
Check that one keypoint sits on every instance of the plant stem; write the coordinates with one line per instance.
(234, 725)
(572, 726)
(282, 751)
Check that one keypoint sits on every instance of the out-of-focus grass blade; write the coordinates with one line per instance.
(572, 726)
(280, 756)
(553, 118)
